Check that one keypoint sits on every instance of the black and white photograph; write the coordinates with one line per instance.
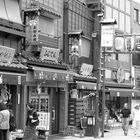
(69, 69)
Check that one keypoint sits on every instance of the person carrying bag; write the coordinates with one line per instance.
(31, 123)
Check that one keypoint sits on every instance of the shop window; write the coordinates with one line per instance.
(40, 101)
(136, 15)
(46, 26)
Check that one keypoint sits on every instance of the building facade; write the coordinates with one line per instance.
(78, 53)
(119, 78)
(47, 75)
(136, 30)
(12, 71)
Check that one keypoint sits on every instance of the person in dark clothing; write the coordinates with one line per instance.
(125, 114)
(31, 123)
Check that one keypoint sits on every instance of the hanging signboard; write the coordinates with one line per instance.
(129, 43)
(6, 54)
(32, 30)
(49, 54)
(107, 35)
(86, 69)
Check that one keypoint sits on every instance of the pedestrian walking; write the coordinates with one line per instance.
(136, 119)
(125, 114)
(4, 121)
(31, 123)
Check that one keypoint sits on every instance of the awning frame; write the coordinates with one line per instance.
(123, 92)
(86, 85)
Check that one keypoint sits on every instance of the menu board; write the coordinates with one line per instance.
(44, 120)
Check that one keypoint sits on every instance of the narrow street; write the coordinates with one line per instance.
(114, 134)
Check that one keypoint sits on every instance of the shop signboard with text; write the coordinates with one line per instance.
(107, 35)
(49, 54)
(6, 54)
(86, 69)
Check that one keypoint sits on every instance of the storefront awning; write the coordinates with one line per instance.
(10, 10)
(123, 92)
(42, 73)
(86, 85)
(13, 78)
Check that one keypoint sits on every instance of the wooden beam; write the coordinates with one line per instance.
(12, 31)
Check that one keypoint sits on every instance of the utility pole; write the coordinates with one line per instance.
(107, 40)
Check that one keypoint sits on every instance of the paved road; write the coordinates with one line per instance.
(116, 134)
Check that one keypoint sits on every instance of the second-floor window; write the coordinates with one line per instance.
(136, 15)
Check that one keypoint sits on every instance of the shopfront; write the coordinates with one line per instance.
(115, 98)
(48, 91)
(12, 81)
(82, 103)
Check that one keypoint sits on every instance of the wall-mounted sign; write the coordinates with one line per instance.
(107, 35)
(49, 54)
(86, 69)
(33, 28)
(6, 54)
(137, 42)
(50, 75)
(120, 75)
(129, 43)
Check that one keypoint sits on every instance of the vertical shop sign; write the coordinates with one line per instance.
(107, 35)
(32, 30)
(19, 79)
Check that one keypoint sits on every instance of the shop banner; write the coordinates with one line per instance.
(49, 54)
(6, 54)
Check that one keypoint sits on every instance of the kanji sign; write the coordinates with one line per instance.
(49, 54)
(107, 35)
(6, 54)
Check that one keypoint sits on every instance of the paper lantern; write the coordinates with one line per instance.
(119, 43)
